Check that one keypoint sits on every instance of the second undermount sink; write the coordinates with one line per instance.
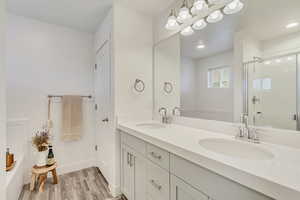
(151, 125)
(237, 149)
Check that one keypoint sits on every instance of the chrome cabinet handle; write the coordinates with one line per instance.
(154, 155)
(156, 185)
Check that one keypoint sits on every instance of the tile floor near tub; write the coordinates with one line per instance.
(86, 184)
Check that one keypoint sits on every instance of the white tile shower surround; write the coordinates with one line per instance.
(277, 178)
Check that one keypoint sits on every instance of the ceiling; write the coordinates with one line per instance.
(150, 7)
(263, 19)
(84, 15)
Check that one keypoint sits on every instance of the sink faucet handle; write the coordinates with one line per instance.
(163, 112)
(176, 110)
(162, 109)
(255, 135)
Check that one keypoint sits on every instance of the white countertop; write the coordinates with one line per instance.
(278, 178)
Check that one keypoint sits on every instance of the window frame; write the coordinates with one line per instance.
(209, 77)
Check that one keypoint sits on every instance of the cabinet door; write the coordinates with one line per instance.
(182, 191)
(127, 182)
(139, 177)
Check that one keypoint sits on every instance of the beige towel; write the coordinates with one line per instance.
(71, 118)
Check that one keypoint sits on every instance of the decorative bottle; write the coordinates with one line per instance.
(50, 158)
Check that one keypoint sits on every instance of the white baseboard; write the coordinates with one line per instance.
(63, 169)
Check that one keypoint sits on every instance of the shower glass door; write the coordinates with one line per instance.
(272, 93)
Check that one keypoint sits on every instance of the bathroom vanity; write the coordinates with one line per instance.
(174, 162)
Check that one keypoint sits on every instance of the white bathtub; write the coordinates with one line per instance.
(18, 143)
(15, 179)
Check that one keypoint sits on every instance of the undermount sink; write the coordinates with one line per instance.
(236, 149)
(151, 125)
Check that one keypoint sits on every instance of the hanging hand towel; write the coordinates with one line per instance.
(71, 118)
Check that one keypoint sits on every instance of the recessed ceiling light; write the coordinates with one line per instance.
(200, 46)
(292, 25)
(290, 58)
(267, 62)
(278, 60)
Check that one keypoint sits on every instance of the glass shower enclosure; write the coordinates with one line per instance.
(271, 92)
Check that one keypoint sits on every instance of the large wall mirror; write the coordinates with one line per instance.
(246, 63)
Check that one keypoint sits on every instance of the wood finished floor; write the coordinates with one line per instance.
(86, 184)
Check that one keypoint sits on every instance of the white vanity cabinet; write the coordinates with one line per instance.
(152, 173)
(182, 191)
(133, 174)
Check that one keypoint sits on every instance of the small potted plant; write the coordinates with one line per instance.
(40, 142)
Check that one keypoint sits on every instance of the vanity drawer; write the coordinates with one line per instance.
(214, 185)
(135, 143)
(158, 156)
(157, 182)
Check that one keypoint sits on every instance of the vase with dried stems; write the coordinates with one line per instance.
(40, 141)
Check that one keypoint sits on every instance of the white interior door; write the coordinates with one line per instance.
(103, 109)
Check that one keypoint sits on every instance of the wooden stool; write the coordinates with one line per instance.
(40, 174)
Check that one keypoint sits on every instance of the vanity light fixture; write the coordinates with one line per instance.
(184, 14)
(187, 31)
(200, 24)
(215, 17)
(292, 25)
(188, 18)
(233, 7)
(172, 23)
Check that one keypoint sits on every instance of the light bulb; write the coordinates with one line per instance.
(233, 7)
(200, 24)
(198, 6)
(187, 31)
(215, 16)
(172, 23)
(184, 15)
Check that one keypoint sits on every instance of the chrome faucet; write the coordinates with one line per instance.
(174, 110)
(163, 112)
(246, 132)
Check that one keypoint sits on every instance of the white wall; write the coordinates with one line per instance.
(188, 76)
(47, 59)
(211, 103)
(281, 45)
(2, 98)
(167, 69)
(133, 42)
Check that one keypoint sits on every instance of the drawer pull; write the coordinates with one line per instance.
(154, 155)
(156, 185)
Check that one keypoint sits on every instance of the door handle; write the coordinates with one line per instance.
(105, 120)
(128, 158)
(131, 160)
